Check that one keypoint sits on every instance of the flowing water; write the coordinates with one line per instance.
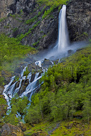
(59, 51)
(63, 40)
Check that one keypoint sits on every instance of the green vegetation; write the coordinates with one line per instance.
(11, 49)
(18, 105)
(35, 17)
(3, 106)
(52, 4)
(26, 72)
(19, 38)
(65, 93)
(64, 128)
(2, 19)
(34, 44)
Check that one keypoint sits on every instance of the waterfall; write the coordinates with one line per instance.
(60, 49)
(63, 38)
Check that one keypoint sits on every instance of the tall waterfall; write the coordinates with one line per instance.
(63, 38)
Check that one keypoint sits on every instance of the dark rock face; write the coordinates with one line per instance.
(79, 19)
(11, 130)
(41, 35)
(15, 6)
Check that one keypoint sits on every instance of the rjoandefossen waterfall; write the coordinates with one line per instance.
(33, 79)
(63, 40)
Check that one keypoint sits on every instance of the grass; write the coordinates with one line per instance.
(65, 128)
(73, 128)
(11, 49)
(43, 127)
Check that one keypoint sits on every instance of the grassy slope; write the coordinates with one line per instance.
(65, 128)
(11, 50)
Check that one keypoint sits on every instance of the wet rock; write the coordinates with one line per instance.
(46, 63)
(23, 86)
(79, 19)
(6, 75)
(34, 68)
(22, 126)
(70, 52)
(11, 130)
(1, 89)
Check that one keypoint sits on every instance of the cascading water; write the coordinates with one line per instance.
(63, 38)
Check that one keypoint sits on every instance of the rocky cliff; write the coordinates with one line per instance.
(15, 6)
(79, 19)
(24, 20)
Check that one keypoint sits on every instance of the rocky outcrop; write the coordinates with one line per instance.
(79, 19)
(29, 26)
(11, 130)
(4, 7)
(15, 6)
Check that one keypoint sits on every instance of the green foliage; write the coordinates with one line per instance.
(19, 38)
(35, 17)
(3, 106)
(53, 4)
(11, 49)
(34, 44)
(26, 72)
(18, 105)
(1, 80)
(46, 13)
(2, 19)
(65, 91)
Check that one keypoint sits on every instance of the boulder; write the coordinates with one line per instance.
(22, 126)
(11, 130)
(46, 63)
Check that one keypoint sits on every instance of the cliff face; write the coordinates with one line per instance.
(15, 6)
(79, 19)
(26, 21)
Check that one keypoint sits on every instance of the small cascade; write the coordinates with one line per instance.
(31, 85)
(23, 71)
(6, 89)
(63, 38)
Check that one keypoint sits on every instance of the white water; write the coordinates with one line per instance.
(59, 51)
(63, 40)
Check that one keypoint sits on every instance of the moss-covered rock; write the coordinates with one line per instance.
(11, 130)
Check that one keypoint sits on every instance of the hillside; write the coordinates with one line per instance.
(62, 104)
